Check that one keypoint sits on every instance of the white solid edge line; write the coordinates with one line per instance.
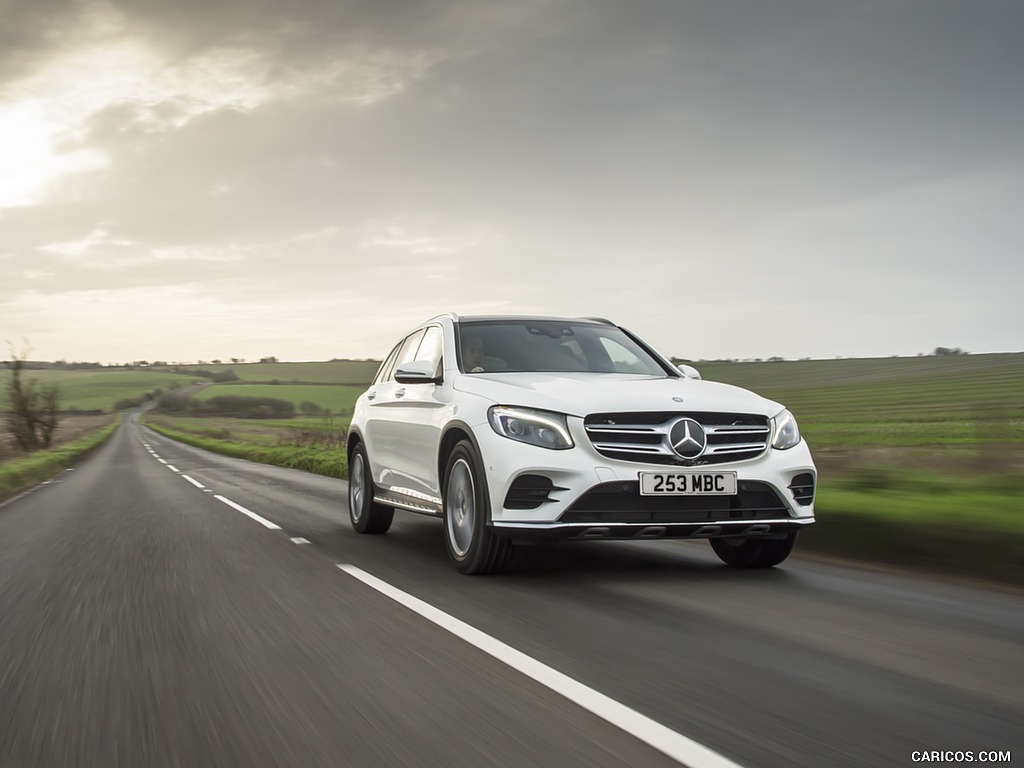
(664, 739)
(196, 484)
(253, 515)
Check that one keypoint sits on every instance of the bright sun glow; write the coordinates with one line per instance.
(44, 118)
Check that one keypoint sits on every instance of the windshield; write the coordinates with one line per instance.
(551, 346)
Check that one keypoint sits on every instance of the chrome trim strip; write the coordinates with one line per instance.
(701, 524)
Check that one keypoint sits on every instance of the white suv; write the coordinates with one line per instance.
(513, 429)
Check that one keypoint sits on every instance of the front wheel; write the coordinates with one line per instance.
(473, 545)
(366, 515)
(753, 553)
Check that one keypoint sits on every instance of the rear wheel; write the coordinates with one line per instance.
(367, 515)
(753, 553)
(473, 545)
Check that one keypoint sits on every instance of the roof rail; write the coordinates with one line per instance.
(604, 320)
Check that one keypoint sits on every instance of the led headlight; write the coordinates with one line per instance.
(785, 430)
(540, 428)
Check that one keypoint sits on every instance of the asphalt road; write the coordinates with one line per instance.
(147, 621)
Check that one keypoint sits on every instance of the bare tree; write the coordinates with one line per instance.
(33, 412)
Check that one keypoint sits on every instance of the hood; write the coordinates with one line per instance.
(579, 394)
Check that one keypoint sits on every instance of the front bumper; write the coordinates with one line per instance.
(578, 493)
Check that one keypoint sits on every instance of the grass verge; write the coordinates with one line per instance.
(20, 474)
(321, 460)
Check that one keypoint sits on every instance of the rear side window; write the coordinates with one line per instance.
(385, 368)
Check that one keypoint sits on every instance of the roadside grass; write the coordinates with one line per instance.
(17, 475)
(933, 524)
(312, 445)
(994, 502)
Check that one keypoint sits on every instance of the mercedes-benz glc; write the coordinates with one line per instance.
(518, 429)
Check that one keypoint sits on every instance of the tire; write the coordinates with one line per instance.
(753, 553)
(366, 515)
(473, 545)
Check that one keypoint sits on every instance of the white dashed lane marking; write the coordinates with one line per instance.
(253, 515)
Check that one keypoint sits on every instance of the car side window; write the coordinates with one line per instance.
(385, 367)
(431, 348)
(406, 353)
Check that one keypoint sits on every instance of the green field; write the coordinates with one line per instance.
(354, 372)
(917, 411)
(920, 460)
(99, 389)
(338, 399)
(886, 389)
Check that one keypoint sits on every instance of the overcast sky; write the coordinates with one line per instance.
(308, 179)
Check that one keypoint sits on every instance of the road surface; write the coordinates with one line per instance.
(164, 606)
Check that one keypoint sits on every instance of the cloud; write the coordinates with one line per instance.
(363, 165)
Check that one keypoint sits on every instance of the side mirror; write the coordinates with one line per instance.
(416, 372)
(689, 371)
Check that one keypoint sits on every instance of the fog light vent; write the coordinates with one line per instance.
(802, 487)
(529, 492)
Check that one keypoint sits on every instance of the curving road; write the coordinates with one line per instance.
(163, 606)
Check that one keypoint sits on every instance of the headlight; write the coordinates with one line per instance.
(540, 428)
(787, 433)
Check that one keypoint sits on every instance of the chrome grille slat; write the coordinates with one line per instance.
(735, 448)
(627, 430)
(633, 447)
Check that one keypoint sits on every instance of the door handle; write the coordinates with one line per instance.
(400, 392)
(371, 395)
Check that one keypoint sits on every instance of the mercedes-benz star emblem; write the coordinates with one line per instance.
(688, 438)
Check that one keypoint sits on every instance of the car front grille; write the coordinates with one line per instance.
(621, 502)
(644, 437)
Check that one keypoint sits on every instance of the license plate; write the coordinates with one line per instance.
(687, 483)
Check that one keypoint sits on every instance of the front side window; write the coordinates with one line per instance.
(431, 348)
(551, 346)
(406, 352)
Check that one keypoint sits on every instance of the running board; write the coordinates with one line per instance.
(422, 508)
